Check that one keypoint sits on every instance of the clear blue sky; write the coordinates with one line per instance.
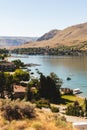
(36, 17)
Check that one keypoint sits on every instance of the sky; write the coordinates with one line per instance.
(35, 17)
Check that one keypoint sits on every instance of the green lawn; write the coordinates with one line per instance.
(68, 99)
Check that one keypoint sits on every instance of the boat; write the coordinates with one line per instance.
(76, 91)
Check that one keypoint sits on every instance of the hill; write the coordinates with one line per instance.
(48, 35)
(15, 41)
(72, 36)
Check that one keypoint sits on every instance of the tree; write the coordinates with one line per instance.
(85, 107)
(8, 83)
(56, 79)
(54, 92)
(75, 109)
(49, 87)
(20, 75)
(85, 104)
(18, 63)
(2, 84)
(32, 93)
(44, 89)
(35, 82)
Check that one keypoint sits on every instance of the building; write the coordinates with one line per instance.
(19, 91)
(7, 66)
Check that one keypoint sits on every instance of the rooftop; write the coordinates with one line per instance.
(18, 88)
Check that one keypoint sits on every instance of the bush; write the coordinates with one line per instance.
(63, 118)
(54, 109)
(23, 84)
(37, 126)
(43, 103)
(15, 110)
(61, 121)
(74, 110)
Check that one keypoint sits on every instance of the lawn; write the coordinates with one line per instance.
(68, 99)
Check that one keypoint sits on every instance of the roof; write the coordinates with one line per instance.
(18, 88)
(6, 63)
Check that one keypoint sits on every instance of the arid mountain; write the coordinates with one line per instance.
(48, 35)
(72, 36)
(15, 41)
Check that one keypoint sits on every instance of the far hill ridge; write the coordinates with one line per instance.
(72, 36)
(48, 35)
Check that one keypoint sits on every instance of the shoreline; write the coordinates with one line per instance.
(80, 96)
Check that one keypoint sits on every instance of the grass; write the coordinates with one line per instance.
(43, 121)
(69, 99)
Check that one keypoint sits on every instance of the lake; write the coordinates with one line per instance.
(64, 66)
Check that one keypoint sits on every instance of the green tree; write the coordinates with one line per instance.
(32, 93)
(8, 83)
(56, 79)
(2, 84)
(35, 82)
(49, 87)
(75, 109)
(43, 90)
(20, 75)
(18, 63)
(85, 105)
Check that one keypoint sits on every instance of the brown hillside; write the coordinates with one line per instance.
(71, 36)
(48, 35)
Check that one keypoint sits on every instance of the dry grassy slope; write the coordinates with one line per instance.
(74, 35)
(44, 120)
(48, 35)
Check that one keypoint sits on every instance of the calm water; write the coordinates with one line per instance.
(63, 66)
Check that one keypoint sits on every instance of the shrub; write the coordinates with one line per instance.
(61, 121)
(74, 110)
(37, 126)
(23, 84)
(54, 109)
(43, 103)
(15, 110)
(63, 118)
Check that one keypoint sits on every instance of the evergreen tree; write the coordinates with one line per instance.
(8, 83)
(49, 88)
(2, 84)
(85, 103)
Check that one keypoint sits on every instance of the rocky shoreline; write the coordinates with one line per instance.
(31, 65)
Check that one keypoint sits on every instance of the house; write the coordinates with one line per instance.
(19, 91)
(66, 91)
(7, 66)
